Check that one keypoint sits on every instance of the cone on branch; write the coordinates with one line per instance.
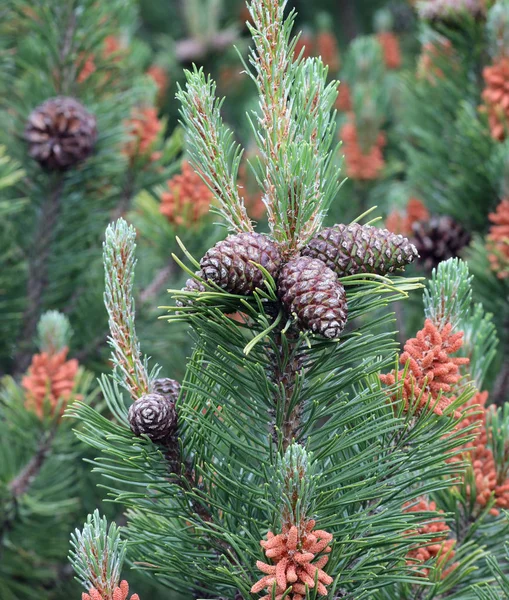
(153, 415)
(60, 133)
(355, 248)
(438, 239)
(312, 291)
(229, 264)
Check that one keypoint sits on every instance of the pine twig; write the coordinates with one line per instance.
(119, 263)
(22, 482)
(157, 283)
(38, 275)
(126, 196)
(284, 377)
(191, 49)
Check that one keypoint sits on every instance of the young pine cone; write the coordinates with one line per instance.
(438, 239)
(153, 415)
(352, 249)
(169, 388)
(60, 133)
(312, 291)
(229, 264)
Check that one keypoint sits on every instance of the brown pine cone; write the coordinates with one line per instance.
(228, 264)
(153, 415)
(312, 291)
(60, 133)
(438, 239)
(192, 285)
(169, 388)
(352, 249)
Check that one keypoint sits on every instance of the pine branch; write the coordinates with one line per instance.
(126, 195)
(66, 82)
(158, 282)
(194, 50)
(38, 274)
(295, 130)
(119, 263)
(287, 365)
(20, 485)
(212, 150)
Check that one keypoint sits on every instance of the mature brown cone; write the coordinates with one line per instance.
(153, 415)
(355, 248)
(229, 264)
(60, 133)
(438, 239)
(169, 388)
(312, 291)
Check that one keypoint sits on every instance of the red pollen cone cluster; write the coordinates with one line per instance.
(119, 593)
(401, 222)
(143, 127)
(344, 99)
(188, 198)
(498, 240)
(433, 372)
(438, 549)
(361, 164)
(390, 49)
(50, 377)
(487, 481)
(88, 66)
(496, 97)
(296, 563)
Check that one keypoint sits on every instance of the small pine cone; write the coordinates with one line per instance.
(60, 133)
(153, 415)
(438, 239)
(169, 388)
(192, 285)
(312, 291)
(228, 264)
(352, 249)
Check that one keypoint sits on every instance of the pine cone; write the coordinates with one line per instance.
(153, 415)
(192, 285)
(438, 239)
(312, 291)
(228, 263)
(352, 249)
(60, 133)
(169, 388)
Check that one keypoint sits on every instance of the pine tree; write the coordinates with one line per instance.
(78, 114)
(287, 465)
(44, 489)
(80, 138)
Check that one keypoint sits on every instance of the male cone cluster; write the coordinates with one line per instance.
(308, 284)
(60, 133)
(154, 414)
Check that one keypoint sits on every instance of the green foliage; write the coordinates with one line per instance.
(43, 488)
(97, 554)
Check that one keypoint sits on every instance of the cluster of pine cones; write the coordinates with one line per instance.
(308, 285)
